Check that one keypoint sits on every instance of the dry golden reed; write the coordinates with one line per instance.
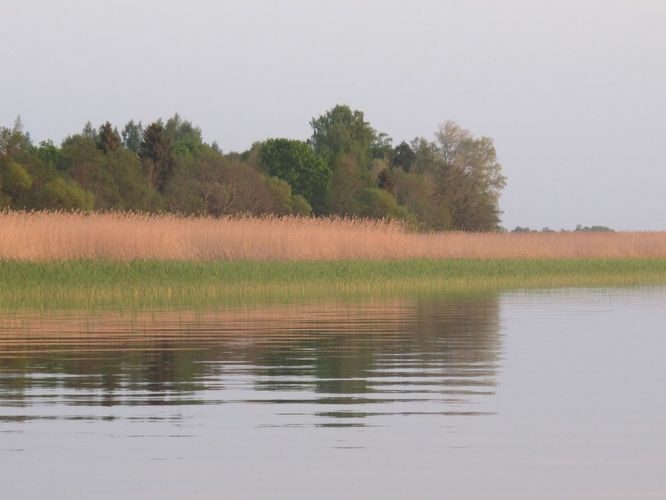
(54, 236)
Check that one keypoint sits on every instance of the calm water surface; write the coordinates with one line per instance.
(555, 394)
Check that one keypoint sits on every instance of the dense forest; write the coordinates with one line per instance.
(345, 168)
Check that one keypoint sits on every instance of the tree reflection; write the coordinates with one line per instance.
(329, 354)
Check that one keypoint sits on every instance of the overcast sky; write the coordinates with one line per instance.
(572, 91)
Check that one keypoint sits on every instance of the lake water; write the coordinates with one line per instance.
(557, 394)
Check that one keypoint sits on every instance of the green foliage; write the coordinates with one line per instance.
(132, 136)
(124, 171)
(472, 178)
(300, 206)
(347, 184)
(579, 228)
(80, 158)
(89, 132)
(465, 175)
(15, 184)
(382, 147)
(185, 137)
(593, 229)
(108, 138)
(30, 178)
(346, 168)
(61, 194)
(419, 194)
(157, 155)
(99, 173)
(48, 153)
(285, 202)
(216, 185)
(296, 163)
(13, 141)
(378, 204)
(403, 157)
(16, 179)
(342, 131)
(5, 199)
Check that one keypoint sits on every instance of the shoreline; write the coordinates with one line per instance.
(86, 284)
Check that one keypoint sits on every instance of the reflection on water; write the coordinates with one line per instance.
(325, 365)
(517, 395)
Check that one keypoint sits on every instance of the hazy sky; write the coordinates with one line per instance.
(572, 91)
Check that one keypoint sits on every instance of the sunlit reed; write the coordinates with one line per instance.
(54, 236)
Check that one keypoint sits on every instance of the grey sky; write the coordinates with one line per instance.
(573, 92)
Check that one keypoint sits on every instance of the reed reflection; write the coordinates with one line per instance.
(336, 364)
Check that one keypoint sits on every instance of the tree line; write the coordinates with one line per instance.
(579, 229)
(346, 168)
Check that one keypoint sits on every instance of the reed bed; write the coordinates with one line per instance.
(53, 236)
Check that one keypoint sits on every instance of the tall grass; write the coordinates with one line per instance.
(99, 284)
(56, 236)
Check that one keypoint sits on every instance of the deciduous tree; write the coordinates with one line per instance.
(342, 131)
(296, 163)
